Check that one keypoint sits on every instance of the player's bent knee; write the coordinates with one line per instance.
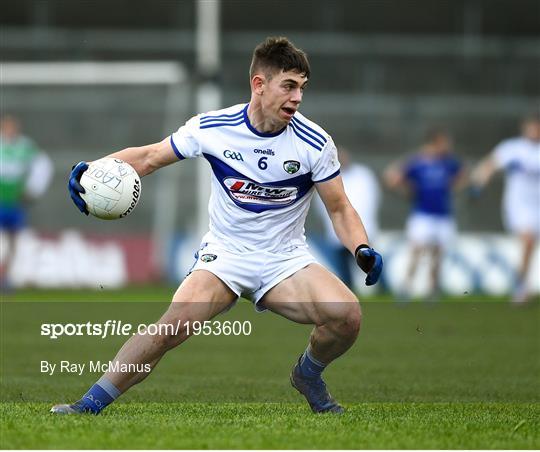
(347, 326)
(352, 322)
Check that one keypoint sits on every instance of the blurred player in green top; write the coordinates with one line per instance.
(25, 173)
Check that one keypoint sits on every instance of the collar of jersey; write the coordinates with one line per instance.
(255, 131)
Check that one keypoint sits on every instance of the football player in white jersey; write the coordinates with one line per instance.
(267, 160)
(519, 158)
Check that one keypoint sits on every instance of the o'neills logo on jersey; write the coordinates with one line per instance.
(247, 191)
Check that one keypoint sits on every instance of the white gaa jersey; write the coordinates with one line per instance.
(262, 183)
(520, 158)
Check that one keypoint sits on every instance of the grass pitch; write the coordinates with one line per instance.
(447, 375)
(276, 426)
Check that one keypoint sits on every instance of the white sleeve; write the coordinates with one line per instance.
(39, 176)
(503, 155)
(185, 140)
(327, 164)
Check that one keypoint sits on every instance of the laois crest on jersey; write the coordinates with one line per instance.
(262, 183)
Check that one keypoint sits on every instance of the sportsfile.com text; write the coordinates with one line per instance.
(119, 328)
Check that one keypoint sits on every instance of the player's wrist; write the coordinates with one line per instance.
(360, 247)
(364, 262)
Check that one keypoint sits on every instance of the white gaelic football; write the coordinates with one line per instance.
(113, 188)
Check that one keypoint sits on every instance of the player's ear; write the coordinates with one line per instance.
(257, 84)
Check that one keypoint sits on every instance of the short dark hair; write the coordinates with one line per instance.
(434, 133)
(533, 116)
(276, 54)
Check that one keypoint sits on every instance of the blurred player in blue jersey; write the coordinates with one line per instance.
(429, 177)
(267, 159)
(25, 174)
(519, 158)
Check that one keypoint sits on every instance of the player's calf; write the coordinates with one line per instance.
(142, 350)
(336, 332)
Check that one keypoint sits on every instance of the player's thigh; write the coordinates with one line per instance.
(444, 233)
(528, 240)
(201, 296)
(522, 220)
(312, 295)
(418, 229)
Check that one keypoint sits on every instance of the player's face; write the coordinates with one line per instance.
(9, 128)
(282, 96)
(442, 145)
(531, 130)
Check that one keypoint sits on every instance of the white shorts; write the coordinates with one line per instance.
(519, 218)
(424, 229)
(250, 274)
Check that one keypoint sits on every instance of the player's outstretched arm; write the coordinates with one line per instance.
(147, 159)
(461, 180)
(144, 159)
(349, 228)
(394, 178)
(483, 172)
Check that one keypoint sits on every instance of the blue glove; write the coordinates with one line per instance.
(474, 191)
(370, 261)
(75, 188)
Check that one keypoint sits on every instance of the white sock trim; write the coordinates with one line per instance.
(109, 388)
(314, 360)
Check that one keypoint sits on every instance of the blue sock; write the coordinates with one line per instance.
(100, 395)
(309, 366)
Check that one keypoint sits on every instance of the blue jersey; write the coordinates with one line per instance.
(431, 180)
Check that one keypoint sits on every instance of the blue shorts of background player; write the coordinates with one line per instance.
(12, 218)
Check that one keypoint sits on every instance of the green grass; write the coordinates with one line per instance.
(449, 375)
(102, 294)
(276, 426)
